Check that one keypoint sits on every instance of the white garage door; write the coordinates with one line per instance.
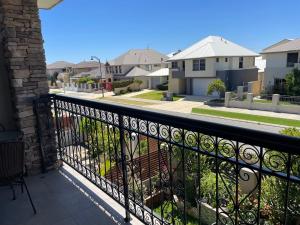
(200, 86)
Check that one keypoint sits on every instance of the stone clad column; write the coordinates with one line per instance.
(24, 60)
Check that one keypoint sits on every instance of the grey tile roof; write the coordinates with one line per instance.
(283, 46)
(139, 57)
(137, 72)
(92, 74)
(60, 65)
(213, 46)
(87, 64)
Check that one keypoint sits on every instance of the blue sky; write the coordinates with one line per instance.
(76, 29)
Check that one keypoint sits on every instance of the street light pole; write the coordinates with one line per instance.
(101, 78)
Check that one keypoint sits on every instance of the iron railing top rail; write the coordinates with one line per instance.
(249, 136)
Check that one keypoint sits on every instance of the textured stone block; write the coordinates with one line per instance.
(17, 82)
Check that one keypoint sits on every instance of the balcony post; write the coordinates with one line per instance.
(124, 168)
(23, 73)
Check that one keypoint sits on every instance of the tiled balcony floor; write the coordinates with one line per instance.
(61, 197)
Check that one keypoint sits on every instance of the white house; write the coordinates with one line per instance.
(212, 58)
(281, 58)
(158, 77)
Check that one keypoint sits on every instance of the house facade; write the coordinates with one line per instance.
(146, 59)
(192, 69)
(281, 58)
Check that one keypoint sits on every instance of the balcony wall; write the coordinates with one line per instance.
(24, 60)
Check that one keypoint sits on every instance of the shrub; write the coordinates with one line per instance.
(139, 82)
(85, 80)
(120, 84)
(122, 92)
(209, 188)
(216, 86)
(291, 132)
(273, 189)
(293, 82)
(162, 87)
(90, 82)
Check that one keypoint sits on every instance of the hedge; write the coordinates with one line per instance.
(120, 84)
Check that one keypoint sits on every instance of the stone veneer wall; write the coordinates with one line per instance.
(24, 59)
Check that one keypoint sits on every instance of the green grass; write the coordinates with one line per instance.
(106, 166)
(177, 214)
(126, 101)
(155, 95)
(248, 117)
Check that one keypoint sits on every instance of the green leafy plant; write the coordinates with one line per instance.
(120, 84)
(216, 86)
(293, 82)
(139, 82)
(85, 80)
(99, 137)
(171, 213)
(90, 82)
(209, 188)
(274, 189)
(291, 131)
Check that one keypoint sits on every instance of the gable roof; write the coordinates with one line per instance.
(163, 72)
(139, 57)
(137, 72)
(283, 46)
(60, 65)
(213, 46)
(87, 64)
(92, 74)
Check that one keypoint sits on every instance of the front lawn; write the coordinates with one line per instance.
(248, 117)
(155, 95)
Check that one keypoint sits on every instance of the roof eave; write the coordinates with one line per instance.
(201, 57)
(41, 5)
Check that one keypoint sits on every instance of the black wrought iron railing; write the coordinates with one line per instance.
(167, 169)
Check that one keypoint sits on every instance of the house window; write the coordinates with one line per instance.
(120, 69)
(202, 64)
(226, 59)
(110, 69)
(241, 62)
(292, 58)
(174, 65)
(116, 68)
(217, 60)
(107, 69)
(198, 64)
(183, 65)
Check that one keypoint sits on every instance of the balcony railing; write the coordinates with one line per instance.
(178, 73)
(167, 169)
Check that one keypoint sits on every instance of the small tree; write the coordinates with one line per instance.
(138, 82)
(216, 86)
(293, 82)
(54, 78)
